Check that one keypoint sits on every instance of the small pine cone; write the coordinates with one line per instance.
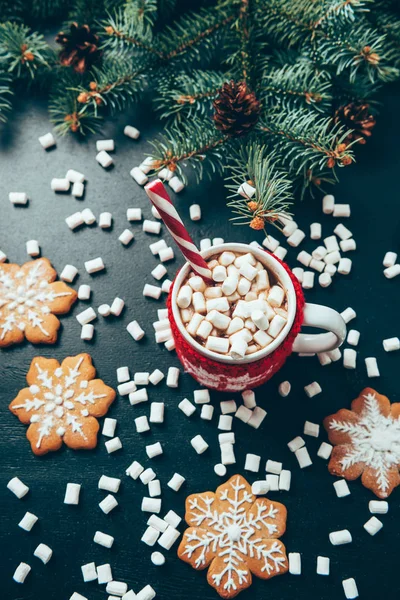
(357, 117)
(79, 47)
(83, 98)
(253, 206)
(257, 223)
(236, 109)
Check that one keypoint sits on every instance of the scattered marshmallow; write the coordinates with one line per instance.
(135, 330)
(113, 445)
(341, 210)
(294, 563)
(28, 521)
(72, 493)
(391, 272)
(312, 389)
(325, 450)
(296, 443)
(169, 537)
(20, 198)
(94, 265)
(86, 316)
(47, 140)
(252, 463)
(323, 565)
(84, 292)
(372, 367)
(87, 332)
(21, 572)
(131, 132)
(153, 450)
(284, 388)
(18, 488)
(89, 572)
(104, 574)
(341, 488)
(110, 484)
(157, 558)
(126, 237)
(176, 482)
(338, 538)
(105, 220)
(303, 457)
(350, 588)
(199, 444)
(187, 407)
(60, 185)
(353, 337)
(311, 429)
(142, 424)
(43, 552)
(378, 507)
(103, 539)
(104, 159)
(68, 273)
(349, 358)
(328, 204)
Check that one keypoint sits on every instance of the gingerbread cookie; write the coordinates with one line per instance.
(367, 442)
(234, 534)
(29, 300)
(61, 403)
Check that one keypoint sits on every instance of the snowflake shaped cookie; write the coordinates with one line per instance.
(367, 442)
(235, 535)
(61, 403)
(29, 300)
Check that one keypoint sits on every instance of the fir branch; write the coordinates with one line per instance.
(186, 94)
(198, 144)
(23, 53)
(5, 94)
(297, 86)
(91, 11)
(305, 141)
(115, 85)
(273, 197)
(67, 114)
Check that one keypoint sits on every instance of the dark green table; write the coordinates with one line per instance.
(371, 187)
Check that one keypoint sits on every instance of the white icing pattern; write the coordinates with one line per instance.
(234, 534)
(25, 299)
(375, 441)
(58, 403)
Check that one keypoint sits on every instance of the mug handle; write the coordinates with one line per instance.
(325, 318)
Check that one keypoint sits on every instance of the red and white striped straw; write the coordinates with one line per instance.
(159, 198)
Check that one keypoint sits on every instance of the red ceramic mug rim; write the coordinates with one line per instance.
(273, 265)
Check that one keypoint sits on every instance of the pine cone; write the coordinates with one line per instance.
(80, 47)
(357, 117)
(236, 109)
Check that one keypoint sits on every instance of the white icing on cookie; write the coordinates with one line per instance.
(234, 535)
(24, 298)
(375, 441)
(55, 397)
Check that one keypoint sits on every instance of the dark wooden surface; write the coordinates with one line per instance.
(372, 189)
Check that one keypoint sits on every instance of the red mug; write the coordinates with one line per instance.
(223, 373)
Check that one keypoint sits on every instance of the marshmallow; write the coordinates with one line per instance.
(289, 228)
(217, 241)
(86, 316)
(110, 484)
(284, 388)
(89, 572)
(72, 493)
(78, 189)
(156, 376)
(184, 297)
(105, 220)
(147, 476)
(103, 539)
(220, 470)
(276, 326)
(312, 389)
(199, 444)
(21, 572)
(225, 422)
(217, 344)
(296, 443)
(341, 210)
(18, 198)
(3, 256)
(88, 216)
(372, 367)
(328, 204)
(246, 190)
(135, 330)
(157, 523)
(304, 258)
(325, 450)
(57, 185)
(152, 505)
(337, 538)
(294, 563)
(272, 482)
(187, 407)
(228, 406)
(157, 559)
(131, 132)
(27, 521)
(273, 467)
(74, 220)
(47, 140)
(142, 424)
(276, 296)
(18, 488)
(389, 259)
(342, 232)
(227, 454)
(348, 314)
(118, 588)
(391, 344)
(378, 507)
(157, 412)
(285, 477)
(150, 536)
(308, 280)
(32, 248)
(173, 377)
(108, 504)
(176, 482)
(147, 593)
(176, 184)
(349, 358)
(137, 174)
(109, 426)
(153, 450)
(270, 243)
(104, 159)
(391, 272)
(350, 588)
(249, 399)
(205, 244)
(158, 272)
(84, 292)
(298, 272)
(69, 273)
(126, 388)
(315, 231)
(87, 332)
(126, 237)
(257, 417)
(94, 265)
(347, 245)
(169, 537)
(341, 488)
(344, 266)
(154, 488)
(172, 518)
(207, 411)
(303, 457)
(104, 574)
(252, 463)
(244, 414)
(113, 445)
(157, 246)
(107, 145)
(151, 227)
(43, 552)
(353, 337)
(323, 565)
(296, 238)
(260, 488)
(166, 254)
(194, 324)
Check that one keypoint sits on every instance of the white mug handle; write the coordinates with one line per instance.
(325, 318)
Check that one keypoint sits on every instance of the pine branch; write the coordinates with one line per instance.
(198, 144)
(297, 86)
(115, 85)
(273, 197)
(66, 112)
(5, 94)
(305, 142)
(91, 12)
(188, 94)
(23, 53)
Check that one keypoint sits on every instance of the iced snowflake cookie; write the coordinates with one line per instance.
(235, 535)
(62, 403)
(29, 300)
(367, 442)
